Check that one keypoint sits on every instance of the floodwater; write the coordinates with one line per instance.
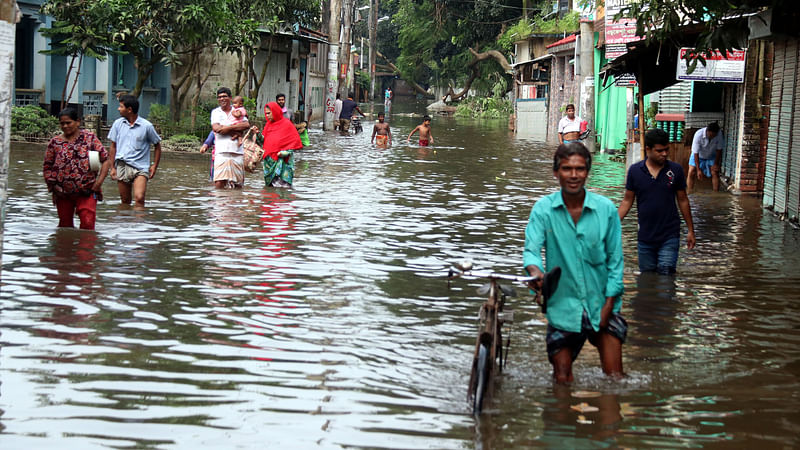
(318, 317)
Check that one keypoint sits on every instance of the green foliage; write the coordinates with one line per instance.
(723, 22)
(32, 120)
(517, 32)
(184, 139)
(167, 128)
(362, 78)
(570, 22)
(484, 108)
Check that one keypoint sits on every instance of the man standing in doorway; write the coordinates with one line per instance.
(131, 137)
(580, 232)
(707, 146)
(656, 183)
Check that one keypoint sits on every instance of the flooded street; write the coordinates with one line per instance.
(319, 317)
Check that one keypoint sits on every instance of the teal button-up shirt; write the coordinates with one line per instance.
(589, 254)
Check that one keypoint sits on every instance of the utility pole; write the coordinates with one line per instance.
(373, 42)
(332, 77)
(587, 79)
(344, 63)
(8, 25)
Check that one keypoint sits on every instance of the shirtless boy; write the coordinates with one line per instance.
(425, 135)
(381, 129)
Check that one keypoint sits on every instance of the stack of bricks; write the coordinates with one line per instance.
(755, 121)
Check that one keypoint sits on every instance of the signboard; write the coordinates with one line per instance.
(618, 33)
(718, 68)
(625, 80)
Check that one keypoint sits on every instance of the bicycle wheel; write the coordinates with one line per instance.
(483, 367)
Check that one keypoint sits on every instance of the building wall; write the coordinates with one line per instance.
(611, 108)
(315, 89)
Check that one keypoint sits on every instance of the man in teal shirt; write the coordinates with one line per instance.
(580, 232)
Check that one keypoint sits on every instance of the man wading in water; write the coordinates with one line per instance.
(580, 232)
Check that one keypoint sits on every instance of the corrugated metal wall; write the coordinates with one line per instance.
(275, 81)
(782, 177)
(731, 128)
(675, 99)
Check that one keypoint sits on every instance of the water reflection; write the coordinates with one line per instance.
(316, 317)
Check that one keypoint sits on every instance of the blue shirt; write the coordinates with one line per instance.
(655, 200)
(133, 142)
(589, 254)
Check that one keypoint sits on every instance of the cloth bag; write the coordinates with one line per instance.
(253, 153)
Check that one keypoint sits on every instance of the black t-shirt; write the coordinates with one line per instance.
(348, 106)
(656, 200)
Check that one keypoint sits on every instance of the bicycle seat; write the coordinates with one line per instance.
(508, 291)
(549, 285)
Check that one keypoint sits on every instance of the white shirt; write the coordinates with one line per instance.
(337, 108)
(705, 147)
(223, 142)
(567, 126)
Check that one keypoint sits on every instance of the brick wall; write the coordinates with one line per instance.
(756, 118)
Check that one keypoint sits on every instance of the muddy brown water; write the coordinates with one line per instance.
(318, 317)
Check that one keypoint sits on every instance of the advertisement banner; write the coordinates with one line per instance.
(618, 33)
(719, 68)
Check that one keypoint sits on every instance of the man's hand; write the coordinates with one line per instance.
(534, 271)
(153, 169)
(690, 240)
(203, 148)
(605, 312)
(113, 172)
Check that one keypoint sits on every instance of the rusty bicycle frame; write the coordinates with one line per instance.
(488, 356)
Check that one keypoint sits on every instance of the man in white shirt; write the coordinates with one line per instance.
(228, 154)
(337, 110)
(707, 146)
(569, 127)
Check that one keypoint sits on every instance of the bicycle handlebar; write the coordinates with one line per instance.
(457, 272)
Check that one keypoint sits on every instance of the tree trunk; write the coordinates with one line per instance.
(77, 77)
(179, 89)
(66, 81)
(259, 80)
(200, 81)
(476, 58)
(417, 88)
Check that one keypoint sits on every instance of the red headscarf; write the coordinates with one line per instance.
(279, 133)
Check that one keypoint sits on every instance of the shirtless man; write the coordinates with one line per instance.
(569, 127)
(381, 129)
(425, 135)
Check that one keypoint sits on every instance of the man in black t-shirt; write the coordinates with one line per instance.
(348, 106)
(656, 183)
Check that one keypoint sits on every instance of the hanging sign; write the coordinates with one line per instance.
(721, 69)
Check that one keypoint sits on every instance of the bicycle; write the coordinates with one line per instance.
(489, 343)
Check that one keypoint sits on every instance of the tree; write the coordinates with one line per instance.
(74, 36)
(722, 23)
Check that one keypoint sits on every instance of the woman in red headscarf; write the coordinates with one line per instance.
(280, 141)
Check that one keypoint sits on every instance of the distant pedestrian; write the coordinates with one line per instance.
(76, 186)
(337, 111)
(228, 153)
(656, 184)
(382, 132)
(387, 101)
(280, 99)
(569, 127)
(131, 137)
(348, 109)
(425, 134)
(707, 146)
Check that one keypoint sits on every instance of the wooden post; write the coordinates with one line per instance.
(8, 21)
(641, 120)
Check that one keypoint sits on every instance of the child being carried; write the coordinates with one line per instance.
(239, 115)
